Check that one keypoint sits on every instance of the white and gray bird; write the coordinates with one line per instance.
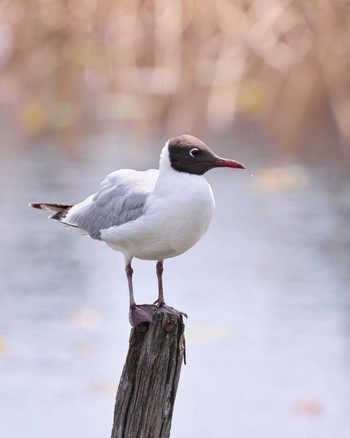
(152, 214)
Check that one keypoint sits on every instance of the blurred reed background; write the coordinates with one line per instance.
(90, 86)
(280, 66)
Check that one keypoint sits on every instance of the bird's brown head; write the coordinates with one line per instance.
(189, 154)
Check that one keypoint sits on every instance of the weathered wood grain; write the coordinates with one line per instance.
(147, 388)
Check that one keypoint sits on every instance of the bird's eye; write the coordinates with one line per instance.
(194, 152)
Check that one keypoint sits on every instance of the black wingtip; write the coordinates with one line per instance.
(35, 205)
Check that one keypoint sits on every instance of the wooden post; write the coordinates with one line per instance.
(147, 388)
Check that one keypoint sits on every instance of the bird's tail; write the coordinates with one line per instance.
(60, 209)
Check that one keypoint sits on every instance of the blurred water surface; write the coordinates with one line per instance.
(266, 290)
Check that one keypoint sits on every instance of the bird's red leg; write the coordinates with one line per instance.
(138, 314)
(129, 271)
(160, 301)
(159, 270)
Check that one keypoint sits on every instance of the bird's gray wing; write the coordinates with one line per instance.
(121, 199)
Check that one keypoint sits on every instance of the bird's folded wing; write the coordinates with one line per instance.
(121, 199)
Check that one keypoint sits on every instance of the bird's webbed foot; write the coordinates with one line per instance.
(167, 309)
(141, 313)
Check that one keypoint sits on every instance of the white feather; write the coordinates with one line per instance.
(177, 214)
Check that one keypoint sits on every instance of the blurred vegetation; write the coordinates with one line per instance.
(69, 65)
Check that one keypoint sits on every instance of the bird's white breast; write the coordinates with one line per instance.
(177, 214)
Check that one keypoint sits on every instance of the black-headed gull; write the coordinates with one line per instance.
(150, 215)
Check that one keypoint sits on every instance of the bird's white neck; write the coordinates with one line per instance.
(164, 161)
(173, 181)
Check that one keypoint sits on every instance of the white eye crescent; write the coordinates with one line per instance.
(194, 152)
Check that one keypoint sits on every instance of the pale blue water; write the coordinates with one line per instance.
(266, 290)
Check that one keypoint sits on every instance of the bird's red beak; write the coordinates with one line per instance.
(224, 162)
